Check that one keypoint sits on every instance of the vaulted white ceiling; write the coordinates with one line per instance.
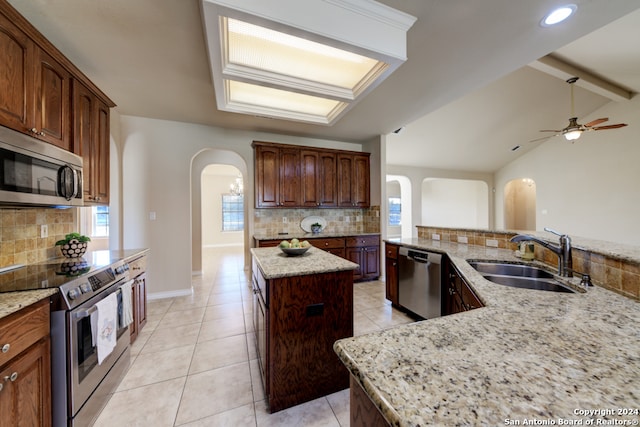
(465, 96)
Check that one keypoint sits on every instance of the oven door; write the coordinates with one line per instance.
(86, 373)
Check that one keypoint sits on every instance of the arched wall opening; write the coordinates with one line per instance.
(400, 187)
(199, 163)
(520, 204)
(456, 203)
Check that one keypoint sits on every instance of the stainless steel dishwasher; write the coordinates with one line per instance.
(419, 287)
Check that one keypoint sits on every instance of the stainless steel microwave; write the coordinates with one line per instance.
(35, 173)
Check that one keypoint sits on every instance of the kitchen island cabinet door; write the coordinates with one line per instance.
(391, 274)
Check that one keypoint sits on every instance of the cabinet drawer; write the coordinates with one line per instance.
(362, 241)
(328, 243)
(391, 251)
(138, 266)
(267, 243)
(22, 329)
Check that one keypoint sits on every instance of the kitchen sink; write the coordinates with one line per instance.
(520, 276)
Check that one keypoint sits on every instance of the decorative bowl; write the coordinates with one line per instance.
(294, 251)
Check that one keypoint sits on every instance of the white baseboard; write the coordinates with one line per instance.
(196, 273)
(170, 294)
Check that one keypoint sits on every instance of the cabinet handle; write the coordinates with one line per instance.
(1, 386)
(6, 347)
(12, 377)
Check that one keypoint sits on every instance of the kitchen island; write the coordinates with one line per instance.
(527, 355)
(301, 306)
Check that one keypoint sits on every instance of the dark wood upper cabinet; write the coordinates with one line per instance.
(353, 180)
(91, 141)
(318, 177)
(37, 96)
(16, 78)
(294, 177)
(52, 98)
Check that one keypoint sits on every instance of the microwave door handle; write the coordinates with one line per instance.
(76, 185)
(62, 184)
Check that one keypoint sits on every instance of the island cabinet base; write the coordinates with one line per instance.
(363, 413)
(304, 316)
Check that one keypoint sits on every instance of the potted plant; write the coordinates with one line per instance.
(316, 227)
(74, 245)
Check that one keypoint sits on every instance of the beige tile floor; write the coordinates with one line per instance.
(194, 363)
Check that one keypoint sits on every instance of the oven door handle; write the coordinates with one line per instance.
(86, 313)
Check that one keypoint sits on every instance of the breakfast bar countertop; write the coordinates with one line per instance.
(527, 355)
(275, 264)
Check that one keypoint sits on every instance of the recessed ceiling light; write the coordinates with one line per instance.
(558, 15)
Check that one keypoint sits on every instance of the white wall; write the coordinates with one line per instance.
(455, 203)
(417, 175)
(158, 176)
(589, 188)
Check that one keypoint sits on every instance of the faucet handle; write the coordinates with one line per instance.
(550, 230)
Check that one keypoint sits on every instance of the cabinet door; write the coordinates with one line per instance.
(391, 280)
(141, 285)
(356, 255)
(91, 141)
(52, 100)
(289, 195)
(133, 326)
(25, 396)
(101, 160)
(328, 185)
(371, 262)
(360, 185)
(310, 178)
(345, 180)
(267, 176)
(16, 77)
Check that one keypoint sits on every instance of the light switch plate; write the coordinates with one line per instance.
(492, 243)
(435, 236)
(463, 239)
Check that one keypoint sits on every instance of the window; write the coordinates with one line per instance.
(395, 210)
(232, 212)
(100, 221)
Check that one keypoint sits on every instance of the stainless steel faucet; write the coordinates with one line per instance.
(563, 250)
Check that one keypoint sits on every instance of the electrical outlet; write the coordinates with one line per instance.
(347, 219)
(152, 216)
(44, 231)
(359, 218)
(463, 239)
(492, 243)
(284, 220)
(435, 236)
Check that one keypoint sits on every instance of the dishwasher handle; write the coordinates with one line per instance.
(420, 256)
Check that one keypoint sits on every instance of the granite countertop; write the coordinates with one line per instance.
(528, 354)
(275, 264)
(10, 302)
(304, 235)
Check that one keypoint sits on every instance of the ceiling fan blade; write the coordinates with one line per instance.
(616, 126)
(548, 130)
(595, 122)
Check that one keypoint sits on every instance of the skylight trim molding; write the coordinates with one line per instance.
(364, 27)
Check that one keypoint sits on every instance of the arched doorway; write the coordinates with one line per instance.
(520, 204)
(199, 163)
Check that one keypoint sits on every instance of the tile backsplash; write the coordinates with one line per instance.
(20, 241)
(617, 274)
(339, 221)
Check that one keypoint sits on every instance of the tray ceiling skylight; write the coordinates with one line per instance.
(262, 67)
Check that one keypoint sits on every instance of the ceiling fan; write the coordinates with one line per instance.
(574, 130)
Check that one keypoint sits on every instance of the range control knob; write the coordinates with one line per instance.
(73, 293)
(85, 287)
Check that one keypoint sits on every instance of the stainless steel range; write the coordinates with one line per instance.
(80, 385)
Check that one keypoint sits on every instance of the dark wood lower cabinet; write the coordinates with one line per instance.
(296, 321)
(457, 295)
(362, 410)
(391, 273)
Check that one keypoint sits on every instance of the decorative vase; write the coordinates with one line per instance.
(315, 229)
(74, 249)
